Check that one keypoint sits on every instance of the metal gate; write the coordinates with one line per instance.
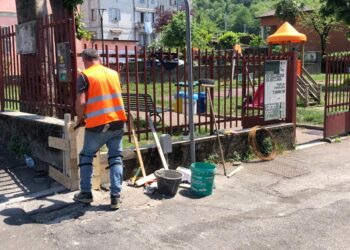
(29, 82)
(337, 96)
(254, 115)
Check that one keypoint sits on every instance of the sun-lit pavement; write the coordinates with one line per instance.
(300, 200)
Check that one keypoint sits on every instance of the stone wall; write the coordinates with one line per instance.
(283, 133)
(34, 131)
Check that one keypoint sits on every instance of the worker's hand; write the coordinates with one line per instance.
(80, 123)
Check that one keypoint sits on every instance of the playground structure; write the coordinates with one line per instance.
(308, 90)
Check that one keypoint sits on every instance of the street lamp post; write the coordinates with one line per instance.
(100, 11)
(190, 79)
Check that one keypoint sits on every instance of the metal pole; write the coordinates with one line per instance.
(190, 80)
(100, 11)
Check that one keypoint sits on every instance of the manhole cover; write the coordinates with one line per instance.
(286, 171)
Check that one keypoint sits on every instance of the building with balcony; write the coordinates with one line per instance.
(125, 19)
(117, 18)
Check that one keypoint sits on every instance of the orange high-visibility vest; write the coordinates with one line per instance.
(104, 99)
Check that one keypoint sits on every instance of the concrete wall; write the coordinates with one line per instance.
(35, 130)
(283, 133)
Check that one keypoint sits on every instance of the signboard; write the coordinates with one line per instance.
(64, 62)
(275, 90)
(26, 38)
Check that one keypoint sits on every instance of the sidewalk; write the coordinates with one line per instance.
(259, 208)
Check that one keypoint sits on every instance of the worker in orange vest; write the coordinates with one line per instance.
(100, 107)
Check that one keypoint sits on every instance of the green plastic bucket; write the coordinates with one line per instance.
(202, 178)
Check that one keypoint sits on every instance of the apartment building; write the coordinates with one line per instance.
(125, 19)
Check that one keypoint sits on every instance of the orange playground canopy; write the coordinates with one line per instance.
(286, 34)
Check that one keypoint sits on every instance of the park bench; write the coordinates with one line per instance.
(142, 103)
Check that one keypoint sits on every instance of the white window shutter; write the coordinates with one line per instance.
(110, 14)
(118, 14)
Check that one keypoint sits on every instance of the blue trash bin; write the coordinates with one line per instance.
(202, 102)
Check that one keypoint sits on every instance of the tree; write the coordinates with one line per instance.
(289, 10)
(244, 21)
(340, 8)
(163, 20)
(30, 10)
(319, 21)
(246, 3)
(174, 33)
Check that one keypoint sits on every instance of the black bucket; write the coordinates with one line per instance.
(168, 181)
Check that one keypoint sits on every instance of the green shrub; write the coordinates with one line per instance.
(214, 158)
(18, 146)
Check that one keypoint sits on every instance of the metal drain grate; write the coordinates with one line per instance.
(285, 170)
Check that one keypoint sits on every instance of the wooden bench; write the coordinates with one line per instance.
(142, 103)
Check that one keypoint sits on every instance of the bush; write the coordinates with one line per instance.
(228, 39)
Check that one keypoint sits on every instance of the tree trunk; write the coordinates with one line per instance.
(28, 10)
(323, 52)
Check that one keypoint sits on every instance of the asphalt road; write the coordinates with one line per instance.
(258, 208)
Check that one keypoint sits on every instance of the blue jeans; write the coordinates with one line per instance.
(93, 141)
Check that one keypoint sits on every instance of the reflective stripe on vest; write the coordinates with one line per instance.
(104, 111)
(104, 98)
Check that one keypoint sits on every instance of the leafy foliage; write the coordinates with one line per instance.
(81, 32)
(228, 39)
(163, 20)
(72, 4)
(321, 21)
(174, 33)
(18, 146)
(256, 41)
(341, 9)
(244, 21)
(289, 10)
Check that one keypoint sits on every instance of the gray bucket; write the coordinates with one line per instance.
(168, 181)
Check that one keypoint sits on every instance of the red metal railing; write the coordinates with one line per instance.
(29, 82)
(151, 73)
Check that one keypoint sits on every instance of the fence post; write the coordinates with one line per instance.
(74, 62)
(211, 91)
(2, 86)
(291, 108)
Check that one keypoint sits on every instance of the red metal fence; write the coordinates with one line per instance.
(29, 82)
(337, 96)
(161, 75)
(154, 82)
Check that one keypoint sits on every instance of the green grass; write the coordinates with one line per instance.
(165, 91)
(12, 92)
(313, 115)
(320, 78)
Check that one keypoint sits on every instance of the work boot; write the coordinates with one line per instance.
(115, 202)
(83, 197)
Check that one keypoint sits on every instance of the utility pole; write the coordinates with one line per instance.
(190, 79)
(100, 11)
